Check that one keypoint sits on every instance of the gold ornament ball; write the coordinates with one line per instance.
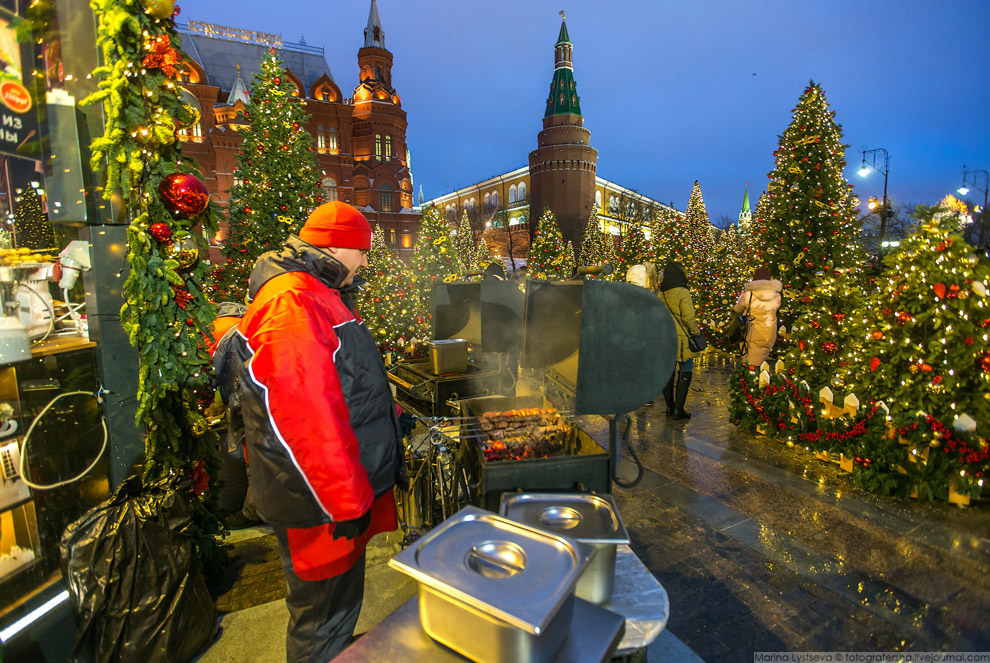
(913, 368)
(160, 9)
(184, 251)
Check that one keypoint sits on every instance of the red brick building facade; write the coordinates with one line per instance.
(360, 141)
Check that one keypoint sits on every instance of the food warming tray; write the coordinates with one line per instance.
(589, 518)
(493, 589)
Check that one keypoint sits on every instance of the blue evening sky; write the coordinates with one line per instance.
(672, 91)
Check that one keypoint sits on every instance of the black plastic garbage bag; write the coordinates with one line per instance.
(138, 594)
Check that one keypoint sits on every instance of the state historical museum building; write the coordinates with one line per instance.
(360, 141)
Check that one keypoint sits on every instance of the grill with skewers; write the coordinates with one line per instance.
(529, 448)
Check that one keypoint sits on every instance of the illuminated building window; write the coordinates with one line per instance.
(391, 237)
(329, 185)
(512, 194)
(495, 199)
(521, 196)
(388, 148)
(385, 198)
(197, 133)
(332, 140)
(488, 201)
(378, 146)
(598, 199)
(321, 141)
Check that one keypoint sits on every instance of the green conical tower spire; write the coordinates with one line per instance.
(563, 97)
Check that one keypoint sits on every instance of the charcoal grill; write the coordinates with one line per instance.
(580, 465)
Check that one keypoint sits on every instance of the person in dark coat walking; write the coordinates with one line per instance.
(675, 294)
(323, 433)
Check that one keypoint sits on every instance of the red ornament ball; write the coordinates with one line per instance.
(829, 348)
(277, 80)
(838, 317)
(190, 322)
(248, 210)
(184, 195)
(285, 148)
(160, 231)
(295, 126)
(261, 148)
(983, 362)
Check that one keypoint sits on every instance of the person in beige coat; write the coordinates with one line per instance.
(675, 294)
(762, 297)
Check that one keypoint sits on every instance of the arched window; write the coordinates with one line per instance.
(598, 199)
(332, 140)
(495, 199)
(385, 198)
(388, 148)
(613, 205)
(512, 194)
(329, 185)
(488, 201)
(522, 192)
(472, 203)
(321, 141)
(378, 146)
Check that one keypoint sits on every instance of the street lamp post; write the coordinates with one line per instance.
(864, 170)
(963, 190)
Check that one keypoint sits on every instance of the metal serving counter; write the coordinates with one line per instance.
(593, 637)
(596, 634)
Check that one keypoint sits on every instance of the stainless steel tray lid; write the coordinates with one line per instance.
(582, 516)
(506, 569)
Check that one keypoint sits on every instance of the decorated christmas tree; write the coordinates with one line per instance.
(464, 246)
(923, 336)
(755, 239)
(668, 239)
(32, 228)
(434, 258)
(389, 301)
(597, 248)
(698, 230)
(166, 315)
(547, 255)
(700, 240)
(277, 174)
(486, 255)
(729, 273)
(570, 260)
(809, 242)
(633, 250)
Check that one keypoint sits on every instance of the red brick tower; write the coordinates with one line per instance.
(381, 176)
(562, 168)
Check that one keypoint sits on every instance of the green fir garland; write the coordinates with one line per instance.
(166, 315)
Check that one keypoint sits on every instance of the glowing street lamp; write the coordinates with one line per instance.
(864, 170)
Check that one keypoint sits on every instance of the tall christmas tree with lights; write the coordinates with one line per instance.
(166, 313)
(923, 340)
(389, 301)
(434, 258)
(668, 241)
(547, 254)
(597, 247)
(700, 241)
(32, 228)
(277, 174)
(730, 271)
(633, 250)
(464, 246)
(757, 237)
(809, 242)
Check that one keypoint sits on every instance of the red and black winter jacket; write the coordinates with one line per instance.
(321, 427)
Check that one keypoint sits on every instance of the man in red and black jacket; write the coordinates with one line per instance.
(322, 430)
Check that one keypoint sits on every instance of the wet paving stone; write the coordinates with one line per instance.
(762, 547)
